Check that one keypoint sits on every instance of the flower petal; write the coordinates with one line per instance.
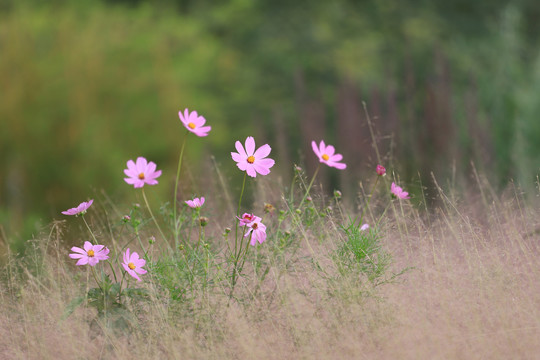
(262, 152)
(240, 149)
(250, 145)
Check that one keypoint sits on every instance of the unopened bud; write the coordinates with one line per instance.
(152, 240)
(269, 208)
(203, 221)
(337, 194)
(227, 230)
(309, 199)
(381, 171)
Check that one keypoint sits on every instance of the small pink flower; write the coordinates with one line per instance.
(142, 172)
(246, 219)
(91, 254)
(257, 229)
(194, 123)
(81, 209)
(327, 155)
(364, 227)
(133, 264)
(252, 161)
(381, 171)
(195, 203)
(397, 191)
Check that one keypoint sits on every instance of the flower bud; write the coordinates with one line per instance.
(269, 208)
(152, 240)
(203, 221)
(381, 171)
(337, 194)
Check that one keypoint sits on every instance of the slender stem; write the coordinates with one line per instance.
(152, 215)
(91, 233)
(241, 194)
(176, 188)
(95, 278)
(310, 185)
(237, 214)
(369, 200)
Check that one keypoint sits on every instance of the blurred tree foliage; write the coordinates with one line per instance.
(87, 85)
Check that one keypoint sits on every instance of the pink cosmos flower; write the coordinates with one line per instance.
(81, 209)
(256, 228)
(327, 155)
(252, 161)
(364, 227)
(133, 264)
(246, 219)
(398, 191)
(91, 254)
(381, 171)
(142, 172)
(195, 203)
(194, 123)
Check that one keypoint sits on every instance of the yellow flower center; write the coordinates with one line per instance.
(251, 159)
(325, 157)
(141, 176)
(131, 266)
(90, 253)
(191, 125)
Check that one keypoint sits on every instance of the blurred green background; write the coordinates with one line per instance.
(87, 85)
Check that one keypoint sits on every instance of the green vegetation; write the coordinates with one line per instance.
(88, 85)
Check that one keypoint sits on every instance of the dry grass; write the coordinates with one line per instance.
(474, 293)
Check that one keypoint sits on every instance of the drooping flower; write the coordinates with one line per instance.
(195, 203)
(246, 219)
(398, 191)
(90, 254)
(253, 161)
(133, 264)
(194, 122)
(257, 229)
(81, 209)
(364, 227)
(381, 171)
(141, 172)
(327, 155)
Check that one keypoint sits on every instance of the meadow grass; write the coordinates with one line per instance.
(459, 282)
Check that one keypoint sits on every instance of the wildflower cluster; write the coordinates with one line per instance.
(249, 228)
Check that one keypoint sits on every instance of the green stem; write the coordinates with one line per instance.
(369, 200)
(152, 215)
(176, 189)
(310, 185)
(237, 214)
(91, 233)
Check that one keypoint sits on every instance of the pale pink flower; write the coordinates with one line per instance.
(257, 229)
(81, 209)
(398, 191)
(195, 203)
(194, 123)
(91, 254)
(141, 172)
(364, 227)
(246, 219)
(133, 264)
(327, 155)
(252, 161)
(381, 171)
